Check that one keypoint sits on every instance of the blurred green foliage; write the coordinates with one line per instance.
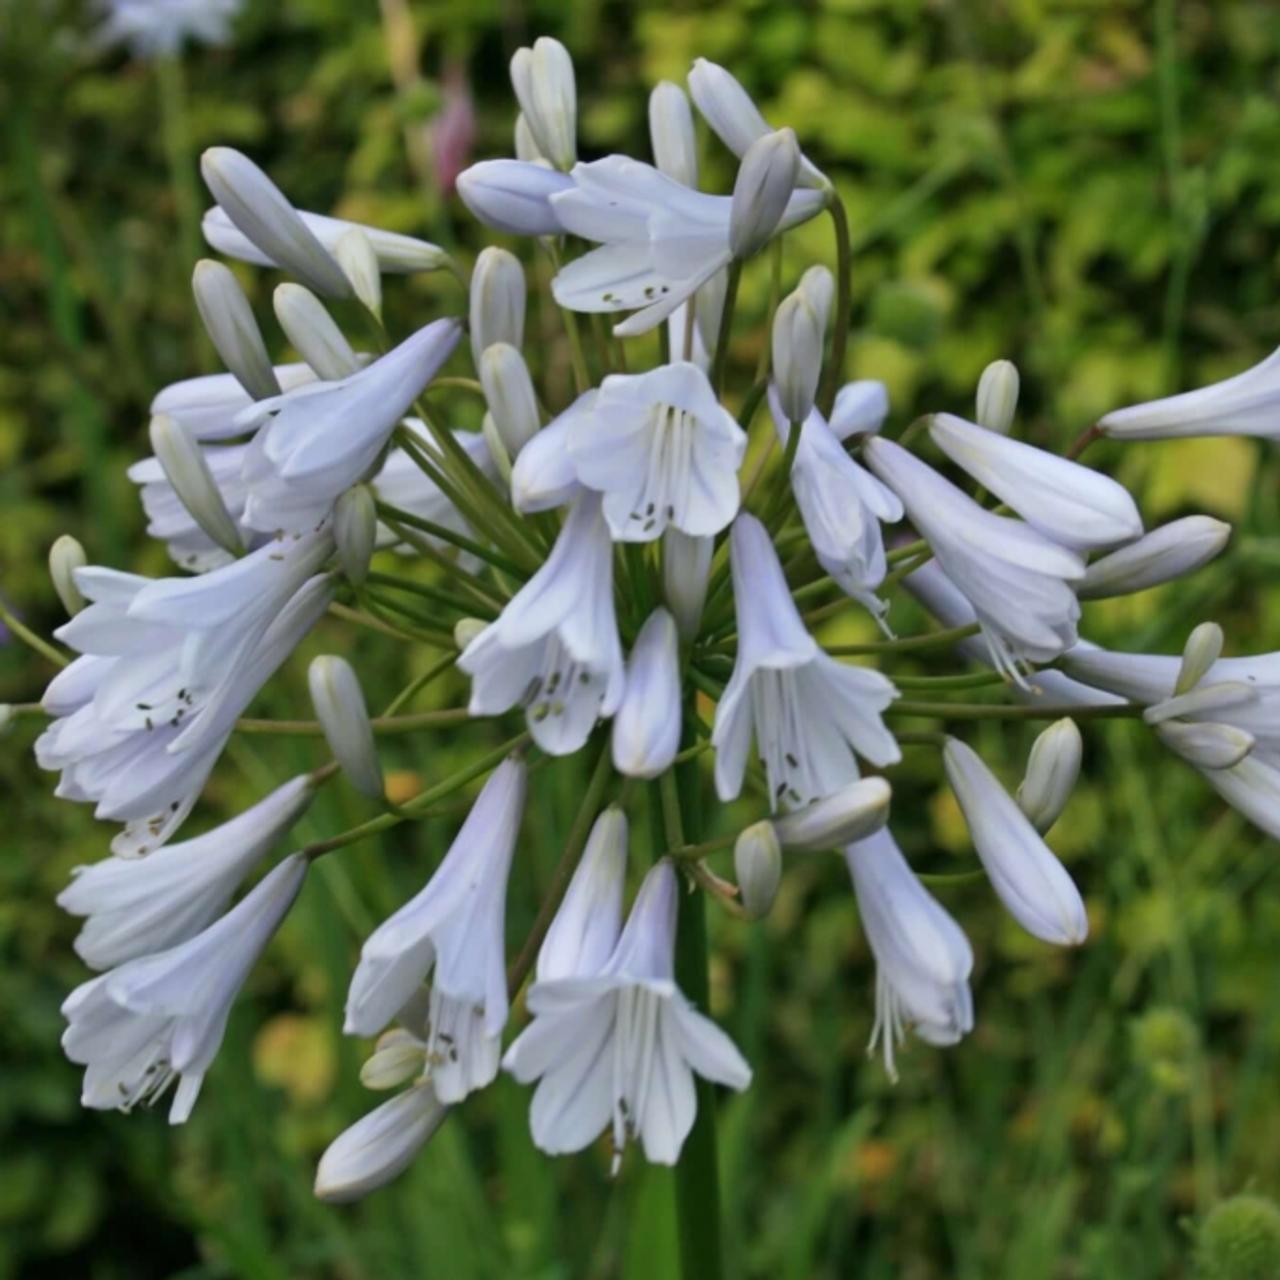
(1088, 187)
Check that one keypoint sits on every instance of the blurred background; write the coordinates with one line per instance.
(1088, 187)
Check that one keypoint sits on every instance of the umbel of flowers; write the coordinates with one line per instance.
(613, 576)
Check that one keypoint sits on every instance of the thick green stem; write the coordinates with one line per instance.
(834, 370)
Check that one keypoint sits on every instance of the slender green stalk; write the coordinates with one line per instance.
(971, 680)
(29, 637)
(471, 604)
(1029, 711)
(445, 534)
(415, 686)
(721, 358)
(834, 370)
(381, 724)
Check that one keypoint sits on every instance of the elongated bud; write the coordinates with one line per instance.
(355, 254)
(262, 213)
(187, 470)
(646, 726)
(766, 179)
(757, 863)
(852, 813)
(797, 355)
(675, 145)
(65, 557)
(379, 1146)
(465, 631)
(228, 320)
(1169, 552)
(340, 708)
(509, 390)
(497, 302)
(818, 285)
(1203, 700)
(1202, 650)
(542, 78)
(1206, 744)
(1052, 769)
(998, 396)
(514, 195)
(686, 564)
(355, 531)
(497, 448)
(313, 333)
(526, 144)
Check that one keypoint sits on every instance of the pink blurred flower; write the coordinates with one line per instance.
(453, 131)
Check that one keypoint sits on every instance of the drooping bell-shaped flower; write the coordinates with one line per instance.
(807, 712)
(137, 906)
(1017, 580)
(1245, 405)
(166, 668)
(660, 240)
(555, 649)
(619, 1049)
(842, 506)
(1061, 499)
(646, 726)
(1030, 881)
(923, 959)
(452, 932)
(161, 1017)
(662, 450)
(316, 443)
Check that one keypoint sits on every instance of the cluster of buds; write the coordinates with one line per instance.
(609, 583)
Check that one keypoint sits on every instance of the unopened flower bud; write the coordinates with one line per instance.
(1168, 552)
(1239, 1240)
(262, 213)
(686, 563)
(757, 862)
(998, 396)
(497, 301)
(65, 557)
(355, 254)
(355, 531)
(379, 1146)
(187, 470)
(646, 726)
(675, 146)
(818, 285)
(542, 78)
(465, 631)
(526, 144)
(340, 708)
(766, 179)
(514, 195)
(1202, 650)
(497, 448)
(228, 320)
(1052, 769)
(313, 333)
(509, 390)
(396, 1059)
(852, 813)
(1205, 743)
(797, 355)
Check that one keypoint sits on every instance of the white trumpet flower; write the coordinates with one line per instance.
(1061, 499)
(662, 450)
(807, 712)
(544, 475)
(842, 506)
(451, 931)
(555, 649)
(514, 196)
(923, 959)
(209, 405)
(379, 1146)
(137, 906)
(1017, 580)
(1030, 881)
(167, 667)
(161, 1017)
(660, 241)
(317, 442)
(646, 727)
(1245, 405)
(619, 1049)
